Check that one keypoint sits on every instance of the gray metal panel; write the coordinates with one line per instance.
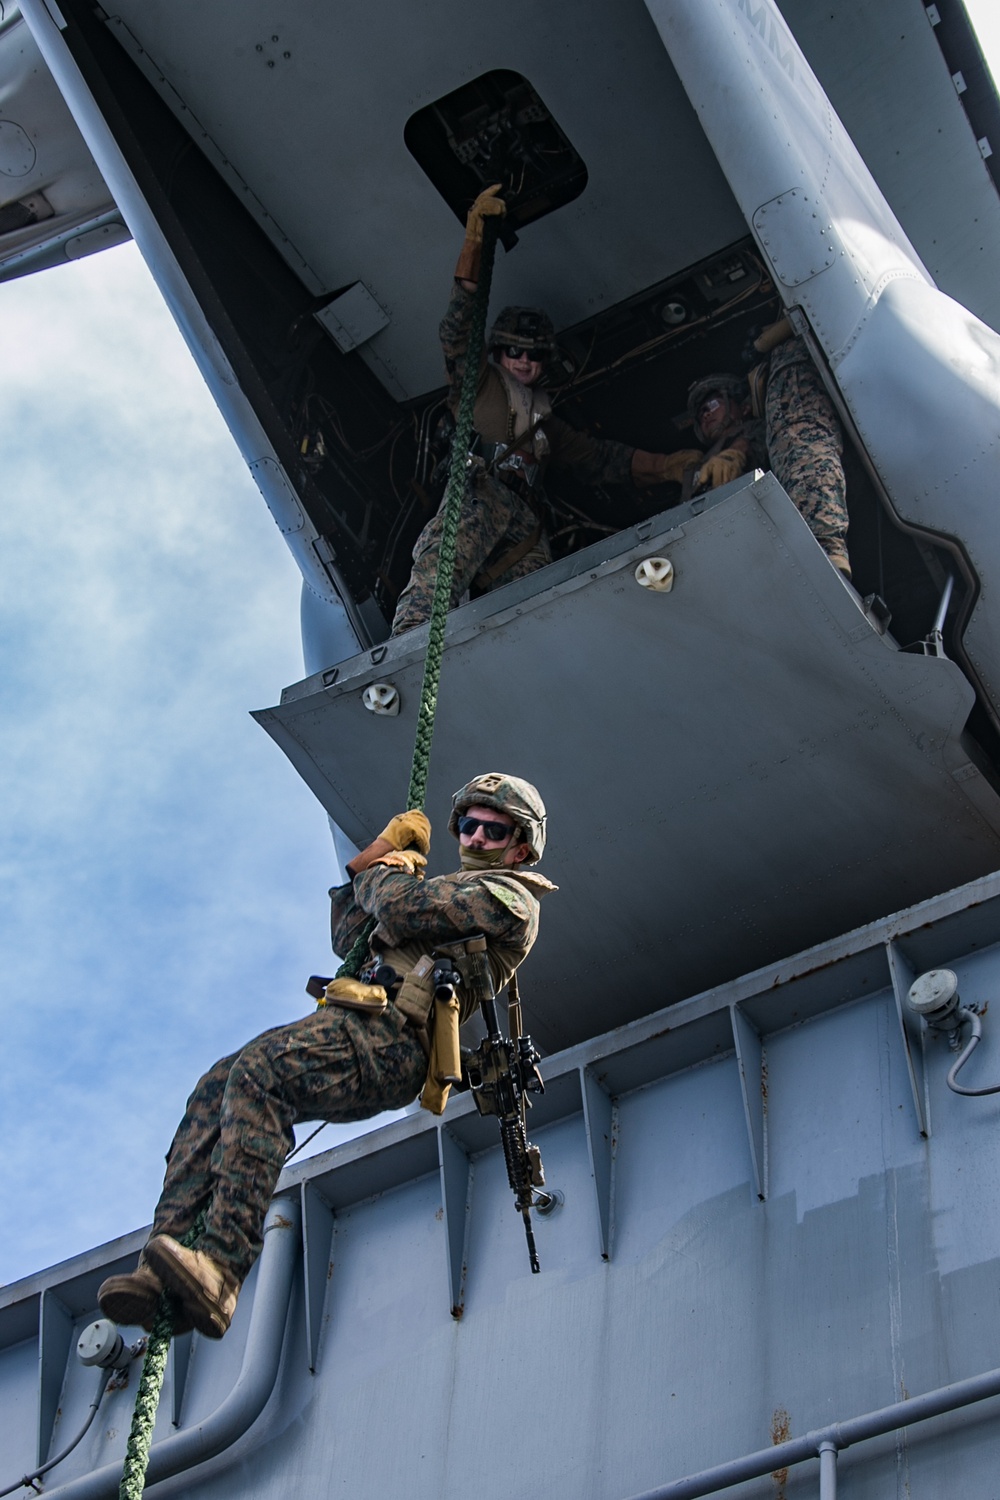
(55, 162)
(314, 146)
(291, 124)
(913, 134)
(736, 767)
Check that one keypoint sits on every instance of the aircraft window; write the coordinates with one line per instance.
(497, 129)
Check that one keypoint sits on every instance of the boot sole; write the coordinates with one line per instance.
(203, 1315)
(127, 1304)
(123, 1302)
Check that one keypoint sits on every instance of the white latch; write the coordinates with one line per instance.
(381, 698)
(656, 573)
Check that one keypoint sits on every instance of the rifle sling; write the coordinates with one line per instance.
(487, 576)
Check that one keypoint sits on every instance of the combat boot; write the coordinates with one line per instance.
(134, 1299)
(207, 1291)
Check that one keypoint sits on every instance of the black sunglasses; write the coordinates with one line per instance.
(495, 832)
(515, 351)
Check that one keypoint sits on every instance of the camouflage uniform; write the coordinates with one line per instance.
(805, 444)
(334, 1065)
(498, 514)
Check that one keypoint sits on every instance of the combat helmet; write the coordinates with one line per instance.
(734, 386)
(508, 794)
(527, 328)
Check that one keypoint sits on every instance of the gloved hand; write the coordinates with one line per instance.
(722, 469)
(408, 830)
(485, 207)
(409, 860)
(662, 468)
(774, 334)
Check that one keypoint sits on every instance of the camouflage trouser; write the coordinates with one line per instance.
(237, 1128)
(494, 520)
(804, 444)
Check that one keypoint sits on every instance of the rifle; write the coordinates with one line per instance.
(502, 1072)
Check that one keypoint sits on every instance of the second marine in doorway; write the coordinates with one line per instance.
(502, 534)
(797, 436)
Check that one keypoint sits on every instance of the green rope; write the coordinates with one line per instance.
(357, 952)
(147, 1397)
(454, 494)
(441, 600)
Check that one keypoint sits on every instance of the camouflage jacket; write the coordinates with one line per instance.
(414, 916)
(789, 352)
(590, 460)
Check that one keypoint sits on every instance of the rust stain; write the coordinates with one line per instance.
(654, 1036)
(440, 1214)
(763, 1081)
(280, 1222)
(781, 1431)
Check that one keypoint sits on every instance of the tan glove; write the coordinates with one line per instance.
(662, 468)
(485, 206)
(402, 859)
(774, 334)
(722, 469)
(367, 856)
(408, 830)
(405, 829)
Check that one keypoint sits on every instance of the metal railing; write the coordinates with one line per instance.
(826, 1442)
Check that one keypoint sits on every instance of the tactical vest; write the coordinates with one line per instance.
(519, 891)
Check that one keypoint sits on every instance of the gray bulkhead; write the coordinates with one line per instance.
(776, 1217)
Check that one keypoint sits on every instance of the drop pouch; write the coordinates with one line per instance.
(445, 1064)
(415, 995)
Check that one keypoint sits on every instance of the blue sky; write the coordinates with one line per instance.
(163, 869)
